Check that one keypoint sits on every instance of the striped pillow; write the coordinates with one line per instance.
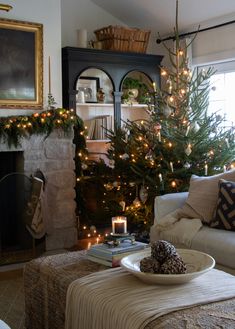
(224, 217)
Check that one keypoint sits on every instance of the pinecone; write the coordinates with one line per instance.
(161, 250)
(173, 265)
(149, 265)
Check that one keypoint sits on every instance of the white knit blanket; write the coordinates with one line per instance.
(116, 299)
(176, 229)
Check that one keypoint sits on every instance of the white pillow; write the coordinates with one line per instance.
(203, 194)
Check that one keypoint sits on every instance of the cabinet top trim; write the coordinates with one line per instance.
(74, 53)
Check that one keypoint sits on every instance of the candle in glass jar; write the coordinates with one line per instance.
(119, 225)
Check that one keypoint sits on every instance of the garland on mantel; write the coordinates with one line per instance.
(13, 128)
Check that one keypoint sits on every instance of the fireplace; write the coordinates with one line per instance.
(14, 192)
(54, 157)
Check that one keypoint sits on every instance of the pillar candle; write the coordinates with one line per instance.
(82, 38)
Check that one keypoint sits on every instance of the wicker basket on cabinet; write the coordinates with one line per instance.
(123, 39)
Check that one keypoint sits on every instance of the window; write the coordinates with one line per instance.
(222, 92)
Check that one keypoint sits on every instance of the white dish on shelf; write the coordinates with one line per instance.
(197, 263)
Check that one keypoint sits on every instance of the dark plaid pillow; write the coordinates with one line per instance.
(224, 217)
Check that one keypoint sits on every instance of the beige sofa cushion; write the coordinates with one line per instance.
(203, 194)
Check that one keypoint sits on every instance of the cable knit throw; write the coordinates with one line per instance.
(116, 299)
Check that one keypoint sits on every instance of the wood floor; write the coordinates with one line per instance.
(12, 298)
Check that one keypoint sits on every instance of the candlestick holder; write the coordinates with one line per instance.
(114, 240)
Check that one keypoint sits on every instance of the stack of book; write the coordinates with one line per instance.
(98, 126)
(111, 256)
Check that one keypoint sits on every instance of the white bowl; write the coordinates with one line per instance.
(197, 263)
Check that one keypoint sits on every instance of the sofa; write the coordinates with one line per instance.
(181, 215)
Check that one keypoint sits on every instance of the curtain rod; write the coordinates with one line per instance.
(197, 31)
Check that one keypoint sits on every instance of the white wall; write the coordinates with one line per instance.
(48, 13)
(83, 14)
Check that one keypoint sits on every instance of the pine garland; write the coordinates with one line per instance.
(13, 128)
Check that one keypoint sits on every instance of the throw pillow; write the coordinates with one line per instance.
(224, 217)
(203, 194)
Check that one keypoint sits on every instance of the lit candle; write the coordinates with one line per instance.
(206, 169)
(159, 136)
(49, 73)
(119, 225)
(173, 184)
(160, 177)
(154, 86)
(171, 165)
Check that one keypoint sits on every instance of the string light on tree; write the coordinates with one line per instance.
(177, 140)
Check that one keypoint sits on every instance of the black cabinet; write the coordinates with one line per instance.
(117, 65)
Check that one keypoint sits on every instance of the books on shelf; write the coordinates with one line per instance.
(111, 256)
(98, 126)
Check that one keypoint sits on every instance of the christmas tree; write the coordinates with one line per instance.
(159, 155)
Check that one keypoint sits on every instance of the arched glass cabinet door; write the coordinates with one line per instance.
(94, 104)
(135, 88)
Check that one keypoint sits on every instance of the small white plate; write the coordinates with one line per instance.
(197, 263)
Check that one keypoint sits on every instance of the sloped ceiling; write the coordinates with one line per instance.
(159, 15)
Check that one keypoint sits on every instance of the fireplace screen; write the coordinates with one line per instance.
(22, 230)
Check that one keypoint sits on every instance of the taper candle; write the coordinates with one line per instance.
(159, 136)
(154, 86)
(206, 169)
(49, 73)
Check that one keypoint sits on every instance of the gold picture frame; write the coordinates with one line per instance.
(21, 69)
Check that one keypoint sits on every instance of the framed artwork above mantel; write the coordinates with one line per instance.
(21, 64)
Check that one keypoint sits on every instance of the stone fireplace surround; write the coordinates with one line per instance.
(54, 156)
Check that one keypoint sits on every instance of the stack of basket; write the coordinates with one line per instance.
(123, 39)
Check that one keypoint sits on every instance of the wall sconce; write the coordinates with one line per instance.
(5, 7)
